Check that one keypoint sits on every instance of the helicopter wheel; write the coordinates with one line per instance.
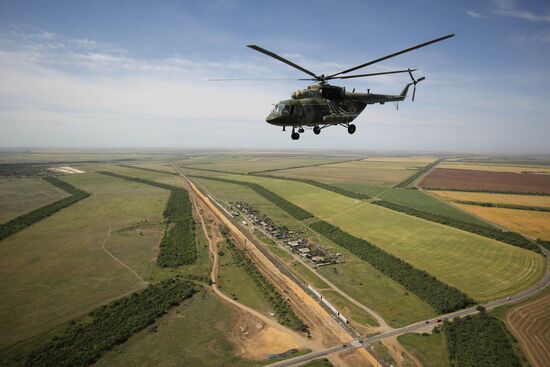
(301, 130)
(316, 130)
(351, 128)
(295, 136)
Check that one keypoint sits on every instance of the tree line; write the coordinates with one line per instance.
(479, 340)
(505, 206)
(488, 191)
(442, 297)
(283, 312)
(279, 201)
(511, 238)
(84, 342)
(406, 182)
(25, 220)
(177, 246)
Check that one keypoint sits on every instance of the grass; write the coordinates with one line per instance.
(57, 270)
(318, 363)
(483, 268)
(234, 282)
(356, 277)
(196, 333)
(533, 224)
(430, 350)
(21, 195)
(361, 188)
(417, 199)
(348, 309)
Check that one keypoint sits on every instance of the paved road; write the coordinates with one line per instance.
(419, 326)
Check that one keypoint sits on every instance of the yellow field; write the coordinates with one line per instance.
(496, 168)
(481, 197)
(530, 323)
(529, 223)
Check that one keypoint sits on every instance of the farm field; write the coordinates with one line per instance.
(529, 322)
(459, 179)
(482, 197)
(483, 268)
(377, 173)
(430, 350)
(535, 169)
(419, 200)
(533, 224)
(57, 270)
(355, 277)
(21, 195)
(254, 163)
(170, 340)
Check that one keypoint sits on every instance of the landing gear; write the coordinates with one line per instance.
(316, 130)
(295, 135)
(351, 128)
(301, 130)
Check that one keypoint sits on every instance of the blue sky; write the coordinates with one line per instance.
(134, 73)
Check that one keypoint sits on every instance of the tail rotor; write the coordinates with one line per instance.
(415, 82)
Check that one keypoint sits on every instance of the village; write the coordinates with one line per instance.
(310, 251)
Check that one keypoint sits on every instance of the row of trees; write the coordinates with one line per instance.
(85, 342)
(283, 312)
(177, 246)
(480, 340)
(511, 238)
(208, 170)
(505, 206)
(409, 180)
(279, 201)
(25, 220)
(489, 191)
(338, 190)
(543, 243)
(306, 165)
(442, 297)
(148, 169)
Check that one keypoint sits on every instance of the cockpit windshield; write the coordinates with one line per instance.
(282, 109)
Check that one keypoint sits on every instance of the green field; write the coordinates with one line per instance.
(430, 350)
(234, 282)
(21, 195)
(193, 334)
(56, 269)
(483, 268)
(355, 277)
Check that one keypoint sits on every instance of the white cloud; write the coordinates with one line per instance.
(473, 14)
(508, 8)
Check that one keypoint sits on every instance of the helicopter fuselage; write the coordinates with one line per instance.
(324, 105)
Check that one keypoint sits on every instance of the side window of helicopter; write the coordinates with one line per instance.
(285, 111)
(279, 108)
(297, 111)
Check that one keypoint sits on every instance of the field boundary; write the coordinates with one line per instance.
(504, 206)
(36, 215)
(306, 165)
(148, 169)
(406, 182)
(486, 191)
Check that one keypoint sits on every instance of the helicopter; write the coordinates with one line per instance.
(322, 105)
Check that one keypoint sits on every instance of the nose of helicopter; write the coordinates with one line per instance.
(272, 118)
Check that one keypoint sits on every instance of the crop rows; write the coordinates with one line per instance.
(284, 314)
(85, 342)
(279, 201)
(511, 238)
(480, 340)
(25, 220)
(442, 297)
(177, 246)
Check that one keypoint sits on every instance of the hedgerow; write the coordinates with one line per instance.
(85, 342)
(406, 182)
(511, 238)
(148, 169)
(442, 297)
(25, 220)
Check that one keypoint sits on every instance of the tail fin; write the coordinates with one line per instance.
(405, 90)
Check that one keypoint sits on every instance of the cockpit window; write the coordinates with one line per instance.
(285, 110)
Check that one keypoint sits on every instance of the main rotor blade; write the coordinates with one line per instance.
(249, 79)
(392, 55)
(277, 57)
(373, 74)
